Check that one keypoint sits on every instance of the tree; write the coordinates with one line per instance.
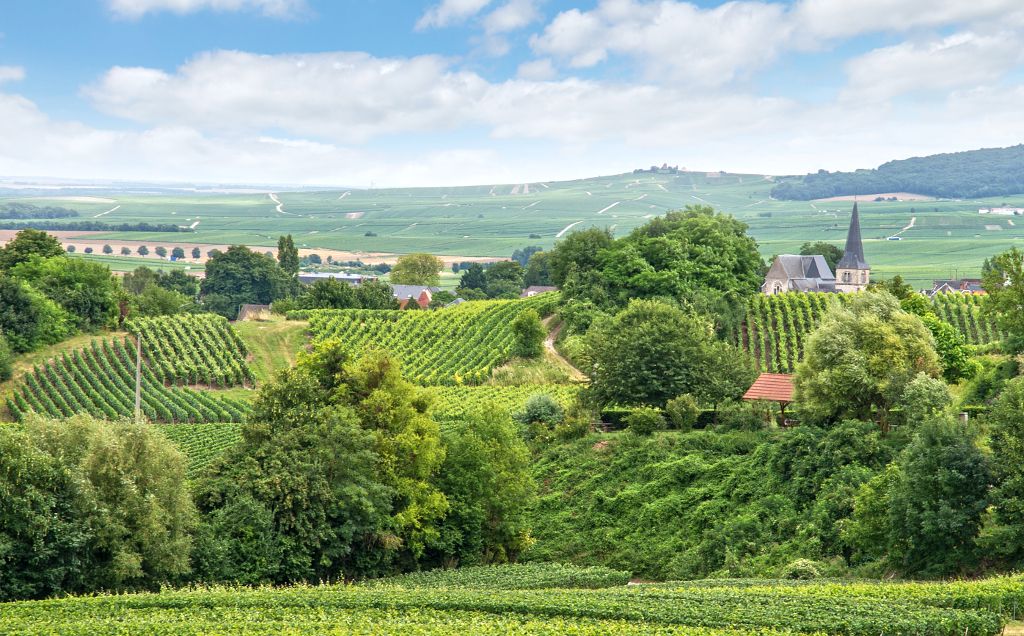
(538, 270)
(649, 353)
(107, 249)
(126, 251)
(936, 504)
(27, 244)
(522, 256)
(375, 294)
(831, 253)
(142, 251)
(529, 334)
(582, 249)
(89, 506)
(28, 319)
(240, 276)
(1004, 283)
(196, 253)
(155, 300)
(858, 362)
(178, 253)
(6, 355)
(328, 293)
(1006, 538)
(179, 281)
(504, 279)
(314, 259)
(88, 250)
(895, 286)
(139, 279)
(86, 290)
(487, 481)
(417, 269)
(70, 249)
(161, 251)
(474, 278)
(332, 477)
(288, 255)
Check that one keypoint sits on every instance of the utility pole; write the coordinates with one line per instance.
(138, 378)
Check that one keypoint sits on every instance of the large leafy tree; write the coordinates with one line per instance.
(580, 250)
(28, 319)
(859, 361)
(375, 294)
(90, 505)
(332, 478)
(240, 276)
(652, 352)
(86, 290)
(1007, 442)
(504, 279)
(830, 252)
(328, 293)
(417, 269)
(288, 255)
(538, 269)
(25, 245)
(474, 278)
(1004, 282)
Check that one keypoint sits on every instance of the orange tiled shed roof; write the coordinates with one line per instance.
(774, 387)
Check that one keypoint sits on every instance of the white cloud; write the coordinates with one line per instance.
(346, 97)
(959, 60)
(134, 9)
(450, 12)
(511, 16)
(673, 41)
(539, 70)
(846, 18)
(11, 74)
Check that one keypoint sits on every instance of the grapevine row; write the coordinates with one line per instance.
(193, 349)
(456, 402)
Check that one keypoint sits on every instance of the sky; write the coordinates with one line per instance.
(457, 92)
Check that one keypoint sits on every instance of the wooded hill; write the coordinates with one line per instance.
(955, 175)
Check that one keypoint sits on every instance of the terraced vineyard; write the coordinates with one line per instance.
(202, 443)
(541, 599)
(777, 326)
(193, 349)
(455, 402)
(100, 380)
(460, 345)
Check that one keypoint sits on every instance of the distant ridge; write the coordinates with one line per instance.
(957, 175)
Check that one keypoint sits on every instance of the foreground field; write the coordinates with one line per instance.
(539, 599)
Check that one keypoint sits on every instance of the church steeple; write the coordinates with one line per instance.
(853, 255)
(852, 270)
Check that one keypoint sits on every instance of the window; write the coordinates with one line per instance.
(863, 277)
(778, 288)
(846, 277)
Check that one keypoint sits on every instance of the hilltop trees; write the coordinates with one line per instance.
(27, 244)
(1004, 283)
(417, 269)
(86, 290)
(859, 361)
(239, 276)
(28, 319)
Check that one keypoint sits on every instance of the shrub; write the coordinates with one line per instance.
(801, 569)
(541, 412)
(529, 334)
(5, 359)
(682, 411)
(645, 420)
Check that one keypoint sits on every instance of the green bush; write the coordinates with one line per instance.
(802, 570)
(541, 408)
(5, 359)
(645, 420)
(682, 411)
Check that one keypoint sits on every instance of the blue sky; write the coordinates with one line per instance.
(477, 91)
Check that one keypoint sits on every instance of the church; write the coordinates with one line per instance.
(794, 272)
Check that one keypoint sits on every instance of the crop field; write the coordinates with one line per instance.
(938, 238)
(777, 326)
(543, 599)
(461, 345)
(193, 349)
(455, 402)
(202, 443)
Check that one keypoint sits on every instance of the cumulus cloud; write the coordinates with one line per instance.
(511, 16)
(11, 74)
(843, 18)
(449, 12)
(540, 70)
(959, 60)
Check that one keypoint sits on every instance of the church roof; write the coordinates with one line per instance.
(797, 266)
(853, 255)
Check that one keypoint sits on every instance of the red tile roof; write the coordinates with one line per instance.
(774, 387)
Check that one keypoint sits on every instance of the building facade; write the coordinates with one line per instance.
(852, 271)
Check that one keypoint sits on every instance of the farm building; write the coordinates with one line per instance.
(416, 293)
(308, 278)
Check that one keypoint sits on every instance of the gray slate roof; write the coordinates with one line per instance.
(853, 255)
(402, 292)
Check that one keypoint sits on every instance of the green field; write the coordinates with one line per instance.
(948, 238)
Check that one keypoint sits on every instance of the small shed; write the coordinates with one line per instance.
(772, 387)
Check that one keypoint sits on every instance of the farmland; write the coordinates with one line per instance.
(549, 599)
(948, 237)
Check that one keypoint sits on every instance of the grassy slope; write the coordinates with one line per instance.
(273, 345)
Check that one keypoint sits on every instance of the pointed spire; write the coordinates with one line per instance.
(853, 255)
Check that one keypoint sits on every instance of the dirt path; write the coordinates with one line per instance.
(552, 353)
(567, 228)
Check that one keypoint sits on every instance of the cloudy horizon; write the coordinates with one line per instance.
(462, 92)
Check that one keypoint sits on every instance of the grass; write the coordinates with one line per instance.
(129, 263)
(273, 344)
(949, 237)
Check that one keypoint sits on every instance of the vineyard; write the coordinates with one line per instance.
(456, 402)
(193, 349)
(776, 327)
(539, 599)
(100, 380)
(202, 443)
(460, 345)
